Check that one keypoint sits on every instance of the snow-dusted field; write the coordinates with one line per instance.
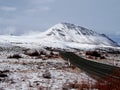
(27, 74)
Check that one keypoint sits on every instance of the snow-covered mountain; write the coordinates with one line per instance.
(71, 33)
(62, 35)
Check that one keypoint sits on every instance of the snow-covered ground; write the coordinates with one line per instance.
(27, 73)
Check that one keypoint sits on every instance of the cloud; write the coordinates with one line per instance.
(19, 17)
(38, 9)
(8, 21)
(42, 1)
(1, 19)
(8, 8)
(37, 6)
(32, 32)
(117, 33)
(8, 30)
(46, 8)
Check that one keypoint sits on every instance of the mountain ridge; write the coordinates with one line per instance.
(70, 32)
(62, 35)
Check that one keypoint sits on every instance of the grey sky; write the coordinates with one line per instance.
(22, 16)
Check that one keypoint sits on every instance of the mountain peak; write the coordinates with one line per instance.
(68, 32)
(68, 26)
(71, 28)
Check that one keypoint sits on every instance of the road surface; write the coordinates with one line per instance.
(95, 69)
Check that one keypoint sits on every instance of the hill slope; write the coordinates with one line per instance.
(63, 35)
(71, 33)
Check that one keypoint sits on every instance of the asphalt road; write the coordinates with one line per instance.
(94, 69)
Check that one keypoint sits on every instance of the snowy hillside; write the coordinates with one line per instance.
(71, 33)
(62, 35)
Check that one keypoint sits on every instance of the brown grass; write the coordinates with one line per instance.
(108, 83)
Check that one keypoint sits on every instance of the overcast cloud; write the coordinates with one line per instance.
(21, 16)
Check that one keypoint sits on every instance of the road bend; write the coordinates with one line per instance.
(92, 68)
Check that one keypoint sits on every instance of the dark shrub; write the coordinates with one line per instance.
(102, 57)
(47, 74)
(16, 56)
(93, 53)
(35, 53)
(5, 71)
(3, 75)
